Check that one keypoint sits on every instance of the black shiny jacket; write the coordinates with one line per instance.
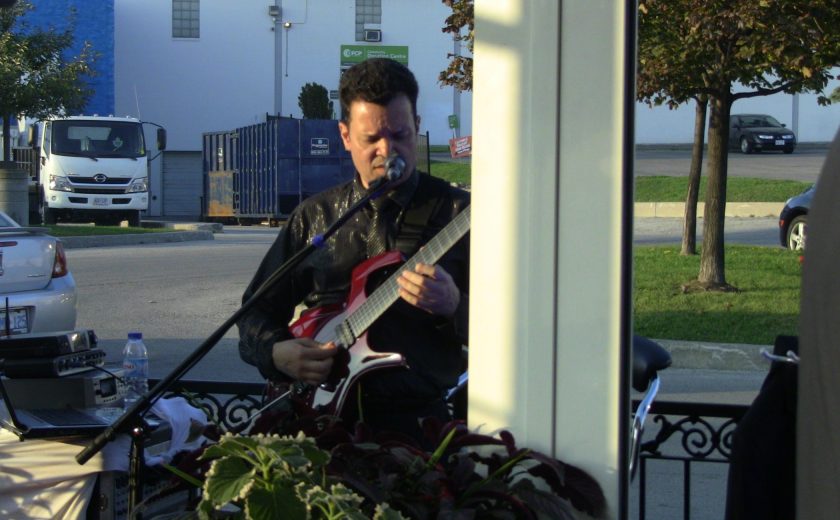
(431, 344)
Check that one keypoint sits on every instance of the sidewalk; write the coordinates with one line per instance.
(715, 356)
(733, 209)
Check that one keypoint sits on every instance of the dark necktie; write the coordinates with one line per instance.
(380, 224)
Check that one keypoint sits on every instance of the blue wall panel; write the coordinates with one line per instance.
(94, 22)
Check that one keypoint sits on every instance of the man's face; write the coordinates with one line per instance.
(373, 131)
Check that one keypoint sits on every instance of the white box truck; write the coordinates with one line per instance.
(92, 168)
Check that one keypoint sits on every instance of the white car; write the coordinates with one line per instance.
(37, 291)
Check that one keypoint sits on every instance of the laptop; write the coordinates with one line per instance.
(59, 422)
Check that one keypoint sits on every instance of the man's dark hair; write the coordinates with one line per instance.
(379, 81)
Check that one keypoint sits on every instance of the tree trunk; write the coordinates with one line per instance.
(7, 138)
(689, 236)
(712, 274)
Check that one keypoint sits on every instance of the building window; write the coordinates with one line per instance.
(185, 19)
(368, 12)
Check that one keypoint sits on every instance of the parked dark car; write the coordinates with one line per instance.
(793, 220)
(756, 132)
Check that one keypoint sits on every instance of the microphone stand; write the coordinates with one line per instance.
(131, 421)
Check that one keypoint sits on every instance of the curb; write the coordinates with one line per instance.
(733, 209)
(716, 356)
(134, 239)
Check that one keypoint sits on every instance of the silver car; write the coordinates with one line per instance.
(37, 291)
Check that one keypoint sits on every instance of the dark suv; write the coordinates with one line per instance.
(756, 132)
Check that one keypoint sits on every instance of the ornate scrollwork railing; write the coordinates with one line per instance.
(703, 431)
(687, 433)
(227, 404)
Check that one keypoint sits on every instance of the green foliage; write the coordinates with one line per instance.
(278, 477)
(767, 303)
(314, 101)
(468, 476)
(460, 70)
(35, 78)
(693, 48)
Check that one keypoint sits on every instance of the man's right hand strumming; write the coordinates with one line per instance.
(304, 359)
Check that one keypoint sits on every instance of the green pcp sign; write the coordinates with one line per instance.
(352, 54)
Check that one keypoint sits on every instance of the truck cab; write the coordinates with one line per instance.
(93, 168)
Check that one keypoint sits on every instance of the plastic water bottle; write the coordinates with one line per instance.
(135, 368)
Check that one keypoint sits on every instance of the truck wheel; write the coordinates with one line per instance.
(134, 218)
(47, 215)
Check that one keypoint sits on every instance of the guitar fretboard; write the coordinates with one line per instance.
(386, 294)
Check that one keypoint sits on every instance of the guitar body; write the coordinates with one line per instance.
(321, 323)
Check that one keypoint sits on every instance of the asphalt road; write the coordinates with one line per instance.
(762, 231)
(803, 165)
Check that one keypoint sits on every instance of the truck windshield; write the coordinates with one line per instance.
(120, 139)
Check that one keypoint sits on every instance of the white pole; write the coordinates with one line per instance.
(549, 318)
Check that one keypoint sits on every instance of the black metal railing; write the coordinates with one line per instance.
(687, 433)
(680, 432)
(226, 403)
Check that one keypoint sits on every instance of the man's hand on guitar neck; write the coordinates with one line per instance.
(304, 359)
(430, 288)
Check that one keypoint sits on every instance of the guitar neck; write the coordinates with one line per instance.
(386, 294)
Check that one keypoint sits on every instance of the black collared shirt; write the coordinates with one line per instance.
(430, 344)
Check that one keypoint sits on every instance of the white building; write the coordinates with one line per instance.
(203, 66)
(249, 58)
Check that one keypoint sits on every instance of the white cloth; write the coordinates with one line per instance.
(41, 478)
(186, 423)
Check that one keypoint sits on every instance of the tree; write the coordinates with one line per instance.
(36, 79)
(459, 72)
(314, 101)
(705, 47)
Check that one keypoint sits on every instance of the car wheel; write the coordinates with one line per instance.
(746, 146)
(796, 233)
(47, 215)
(789, 150)
(134, 218)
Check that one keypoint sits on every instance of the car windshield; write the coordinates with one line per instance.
(97, 138)
(6, 221)
(759, 122)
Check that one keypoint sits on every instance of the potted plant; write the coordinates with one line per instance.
(342, 475)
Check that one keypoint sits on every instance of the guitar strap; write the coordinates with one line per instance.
(415, 229)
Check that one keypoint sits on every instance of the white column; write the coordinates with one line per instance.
(548, 319)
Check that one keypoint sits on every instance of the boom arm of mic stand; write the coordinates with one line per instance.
(132, 416)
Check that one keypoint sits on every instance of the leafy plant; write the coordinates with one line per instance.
(339, 475)
(279, 477)
(36, 76)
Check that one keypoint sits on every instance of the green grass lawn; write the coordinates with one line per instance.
(738, 189)
(767, 304)
(83, 231)
(458, 172)
(664, 188)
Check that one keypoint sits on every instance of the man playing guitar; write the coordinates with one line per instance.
(427, 324)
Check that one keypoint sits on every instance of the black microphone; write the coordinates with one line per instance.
(394, 167)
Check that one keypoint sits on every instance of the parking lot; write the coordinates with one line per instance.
(803, 165)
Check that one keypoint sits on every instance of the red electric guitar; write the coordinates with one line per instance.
(347, 324)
